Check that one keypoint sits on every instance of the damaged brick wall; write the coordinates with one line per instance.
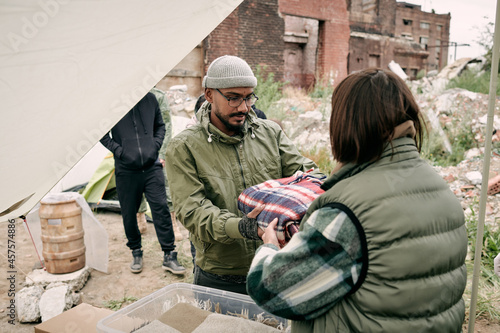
(254, 32)
(332, 38)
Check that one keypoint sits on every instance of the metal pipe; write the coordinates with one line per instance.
(486, 173)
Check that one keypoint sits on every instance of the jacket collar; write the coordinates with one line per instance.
(388, 156)
(214, 134)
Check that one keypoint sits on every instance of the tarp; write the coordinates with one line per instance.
(70, 70)
(80, 174)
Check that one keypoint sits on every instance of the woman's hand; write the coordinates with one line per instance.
(269, 235)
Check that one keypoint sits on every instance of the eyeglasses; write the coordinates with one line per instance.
(235, 102)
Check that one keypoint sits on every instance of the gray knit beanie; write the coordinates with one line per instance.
(229, 72)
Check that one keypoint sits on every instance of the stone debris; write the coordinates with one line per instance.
(55, 300)
(465, 181)
(27, 304)
(474, 177)
(46, 295)
(75, 280)
(181, 103)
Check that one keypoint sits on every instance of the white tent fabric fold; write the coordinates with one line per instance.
(69, 70)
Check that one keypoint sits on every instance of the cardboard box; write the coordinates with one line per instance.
(82, 318)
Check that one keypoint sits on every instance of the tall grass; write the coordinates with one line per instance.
(322, 156)
(269, 92)
(473, 81)
(322, 92)
(488, 300)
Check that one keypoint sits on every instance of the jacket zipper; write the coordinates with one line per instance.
(239, 163)
(137, 137)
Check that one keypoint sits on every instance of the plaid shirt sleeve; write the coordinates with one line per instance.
(314, 271)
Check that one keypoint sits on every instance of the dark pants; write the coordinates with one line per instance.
(202, 278)
(193, 254)
(130, 185)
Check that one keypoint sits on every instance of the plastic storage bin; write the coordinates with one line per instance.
(151, 307)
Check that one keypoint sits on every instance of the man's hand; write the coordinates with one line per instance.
(162, 162)
(248, 225)
(269, 235)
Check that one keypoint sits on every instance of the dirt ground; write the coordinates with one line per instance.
(119, 285)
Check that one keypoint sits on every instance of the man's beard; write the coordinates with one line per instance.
(225, 120)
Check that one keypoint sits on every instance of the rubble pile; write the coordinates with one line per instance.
(465, 180)
(181, 103)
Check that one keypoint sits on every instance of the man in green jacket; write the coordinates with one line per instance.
(211, 163)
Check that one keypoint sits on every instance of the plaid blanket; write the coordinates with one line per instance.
(286, 199)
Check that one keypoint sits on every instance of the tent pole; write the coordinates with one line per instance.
(486, 172)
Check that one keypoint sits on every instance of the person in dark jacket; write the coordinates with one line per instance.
(135, 142)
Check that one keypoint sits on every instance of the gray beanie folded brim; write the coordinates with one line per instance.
(229, 72)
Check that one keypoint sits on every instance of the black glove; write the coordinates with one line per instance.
(248, 228)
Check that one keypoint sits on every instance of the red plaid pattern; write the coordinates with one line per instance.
(286, 199)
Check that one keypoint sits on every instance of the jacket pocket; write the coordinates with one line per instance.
(130, 153)
(149, 150)
(138, 152)
(200, 245)
(206, 246)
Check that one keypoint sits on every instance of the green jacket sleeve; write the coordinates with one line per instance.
(167, 119)
(197, 213)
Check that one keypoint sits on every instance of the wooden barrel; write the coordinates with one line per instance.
(62, 235)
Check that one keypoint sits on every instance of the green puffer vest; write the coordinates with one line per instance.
(416, 241)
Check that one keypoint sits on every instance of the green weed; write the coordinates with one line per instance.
(322, 93)
(473, 81)
(117, 304)
(269, 92)
(491, 240)
(461, 138)
(322, 156)
(488, 297)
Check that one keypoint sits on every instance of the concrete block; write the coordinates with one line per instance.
(75, 280)
(27, 304)
(55, 300)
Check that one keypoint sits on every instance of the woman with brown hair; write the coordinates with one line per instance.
(383, 249)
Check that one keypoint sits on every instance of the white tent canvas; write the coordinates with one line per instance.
(69, 70)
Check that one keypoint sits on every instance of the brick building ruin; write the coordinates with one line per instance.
(385, 30)
(304, 41)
